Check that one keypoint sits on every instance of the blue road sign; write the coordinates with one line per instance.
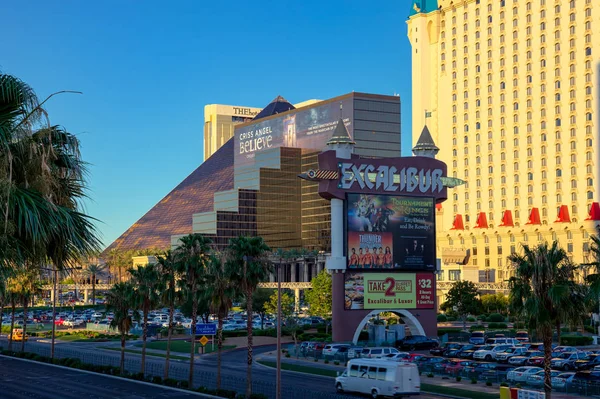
(206, 329)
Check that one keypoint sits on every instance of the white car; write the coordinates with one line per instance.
(331, 349)
(397, 357)
(510, 352)
(489, 352)
(520, 374)
(537, 379)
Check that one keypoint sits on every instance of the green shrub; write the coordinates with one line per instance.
(458, 378)
(258, 396)
(448, 330)
(183, 384)
(488, 383)
(321, 330)
(226, 393)
(336, 362)
(473, 380)
(496, 317)
(326, 361)
(451, 318)
(430, 375)
(316, 359)
(287, 354)
(483, 317)
(518, 386)
(170, 382)
(157, 379)
(504, 384)
(590, 329)
(441, 318)
(494, 325)
(575, 340)
(471, 319)
(138, 376)
(477, 327)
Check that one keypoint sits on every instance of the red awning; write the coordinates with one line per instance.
(563, 215)
(458, 223)
(594, 212)
(481, 221)
(534, 216)
(507, 220)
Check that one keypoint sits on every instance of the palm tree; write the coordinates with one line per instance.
(92, 271)
(593, 279)
(3, 294)
(119, 300)
(540, 283)
(247, 266)
(221, 291)
(146, 296)
(12, 298)
(170, 295)
(192, 257)
(26, 285)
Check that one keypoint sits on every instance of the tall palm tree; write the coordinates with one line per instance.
(146, 296)
(192, 257)
(119, 300)
(3, 294)
(221, 292)
(593, 279)
(93, 271)
(247, 266)
(167, 267)
(540, 283)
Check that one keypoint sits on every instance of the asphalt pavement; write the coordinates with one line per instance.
(20, 379)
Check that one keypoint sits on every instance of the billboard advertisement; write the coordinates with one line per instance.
(383, 290)
(308, 128)
(390, 232)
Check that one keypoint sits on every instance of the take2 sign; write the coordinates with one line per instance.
(206, 329)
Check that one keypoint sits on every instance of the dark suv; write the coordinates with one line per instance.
(417, 342)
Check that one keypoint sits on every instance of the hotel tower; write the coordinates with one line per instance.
(509, 91)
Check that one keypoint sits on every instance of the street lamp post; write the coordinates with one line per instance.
(278, 387)
(54, 293)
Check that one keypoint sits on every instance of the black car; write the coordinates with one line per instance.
(588, 362)
(468, 353)
(417, 342)
(441, 350)
(457, 352)
(586, 382)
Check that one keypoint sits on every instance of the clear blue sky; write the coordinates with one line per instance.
(147, 68)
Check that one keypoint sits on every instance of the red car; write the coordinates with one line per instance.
(413, 357)
(455, 366)
(59, 322)
(535, 361)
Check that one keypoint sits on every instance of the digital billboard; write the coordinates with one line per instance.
(383, 290)
(390, 232)
(308, 128)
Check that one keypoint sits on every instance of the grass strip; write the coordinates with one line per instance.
(182, 346)
(464, 393)
(175, 357)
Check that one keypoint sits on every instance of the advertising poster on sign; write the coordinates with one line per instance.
(401, 231)
(389, 291)
(307, 128)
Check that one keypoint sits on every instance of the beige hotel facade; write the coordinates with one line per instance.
(509, 91)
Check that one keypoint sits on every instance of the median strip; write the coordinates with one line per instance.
(173, 357)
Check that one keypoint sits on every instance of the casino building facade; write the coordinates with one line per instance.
(250, 185)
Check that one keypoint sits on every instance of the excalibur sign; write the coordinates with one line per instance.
(389, 178)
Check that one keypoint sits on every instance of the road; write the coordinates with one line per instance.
(20, 379)
(294, 385)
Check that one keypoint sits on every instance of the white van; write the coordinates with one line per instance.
(376, 353)
(379, 378)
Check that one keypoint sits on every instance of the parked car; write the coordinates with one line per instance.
(498, 372)
(417, 342)
(521, 360)
(489, 352)
(588, 362)
(504, 357)
(537, 379)
(563, 381)
(536, 346)
(453, 352)
(477, 338)
(332, 349)
(398, 357)
(561, 349)
(522, 336)
(439, 350)
(376, 353)
(354, 352)
(502, 341)
(536, 360)
(456, 366)
(520, 374)
(583, 380)
(566, 360)
(468, 353)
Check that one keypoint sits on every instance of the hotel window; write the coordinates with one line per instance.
(454, 275)
(590, 182)
(574, 198)
(590, 195)
(544, 199)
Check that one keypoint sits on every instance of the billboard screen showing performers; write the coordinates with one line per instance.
(390, 232)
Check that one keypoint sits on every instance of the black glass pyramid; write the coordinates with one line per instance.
(277, 106)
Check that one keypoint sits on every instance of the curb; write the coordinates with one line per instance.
(189, 392)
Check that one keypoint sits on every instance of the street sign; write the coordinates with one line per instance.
(203, 340)
(206, 329)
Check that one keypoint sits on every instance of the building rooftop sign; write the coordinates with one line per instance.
(416, 176)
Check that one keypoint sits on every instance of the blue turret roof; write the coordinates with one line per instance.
(423, 6)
